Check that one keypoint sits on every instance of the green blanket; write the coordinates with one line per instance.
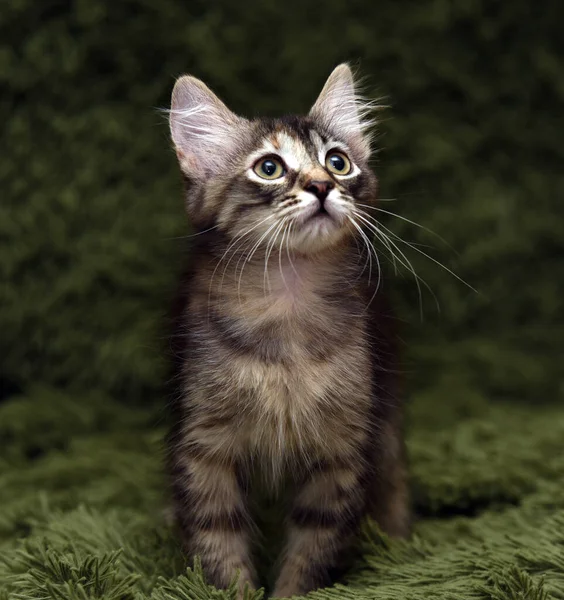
(91, 221)
(84, 513)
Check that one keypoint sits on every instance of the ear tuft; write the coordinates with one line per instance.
(342, 110)
(204, 131)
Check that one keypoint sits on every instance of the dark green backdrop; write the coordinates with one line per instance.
(471, 148)
(91, 210)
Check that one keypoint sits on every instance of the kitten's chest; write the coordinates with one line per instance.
(296, 332)
(304, 380)
(289, 361)
(302, 406)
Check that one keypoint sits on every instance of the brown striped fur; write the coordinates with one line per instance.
(284, 354)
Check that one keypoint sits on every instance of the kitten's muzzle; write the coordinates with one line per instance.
(320, 189)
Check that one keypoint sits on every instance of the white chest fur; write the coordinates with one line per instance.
(289, 362)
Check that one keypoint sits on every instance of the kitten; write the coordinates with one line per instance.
(283, 343)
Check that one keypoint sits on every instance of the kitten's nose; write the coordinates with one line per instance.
(320, 188)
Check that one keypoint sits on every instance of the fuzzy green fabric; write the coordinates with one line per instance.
(87, 519)
(90, 221)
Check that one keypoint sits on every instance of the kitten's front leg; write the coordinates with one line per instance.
(212, 513)
(323, 521)
(388, 496)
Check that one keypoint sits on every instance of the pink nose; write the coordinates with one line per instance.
(320, 189)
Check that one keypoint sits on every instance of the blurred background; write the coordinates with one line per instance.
(91, 201)
(91, 210)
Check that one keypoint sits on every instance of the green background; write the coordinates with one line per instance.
(90, 220)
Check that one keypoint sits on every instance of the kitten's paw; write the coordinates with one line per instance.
(287, 591)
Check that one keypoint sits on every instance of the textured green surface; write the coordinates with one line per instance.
(86, 518)
(90, 213)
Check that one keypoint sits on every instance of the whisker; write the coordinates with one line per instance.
(440, 264)
(359, 252)
(383, 239)
(243, 256)
(371, 250)
(425, 284)
(257, 244)
(225, 254)
(238, 238)
(370, 247)
(393, 214)
(269, 248)
(250, 256)
(405, 262)
(280, 256)
(415, 275)
(288, 254)
(185, 237)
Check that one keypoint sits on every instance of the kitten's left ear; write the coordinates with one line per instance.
(341, 110)
(204, 131)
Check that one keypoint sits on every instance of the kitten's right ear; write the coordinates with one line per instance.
(203, 129)
(340, 108)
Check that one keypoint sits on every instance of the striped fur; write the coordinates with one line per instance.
(284, 354)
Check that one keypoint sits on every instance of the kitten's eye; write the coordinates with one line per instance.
(269, 168)
(338, 163)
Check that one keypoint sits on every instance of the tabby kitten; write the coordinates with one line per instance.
(283, 344)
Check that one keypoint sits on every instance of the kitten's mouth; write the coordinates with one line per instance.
(322, 224)
(321, 214)
(318, 227)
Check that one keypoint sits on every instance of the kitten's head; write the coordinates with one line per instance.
(291, 182)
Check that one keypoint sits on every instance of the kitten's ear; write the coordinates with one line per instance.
(203, 129)
(340, 108)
